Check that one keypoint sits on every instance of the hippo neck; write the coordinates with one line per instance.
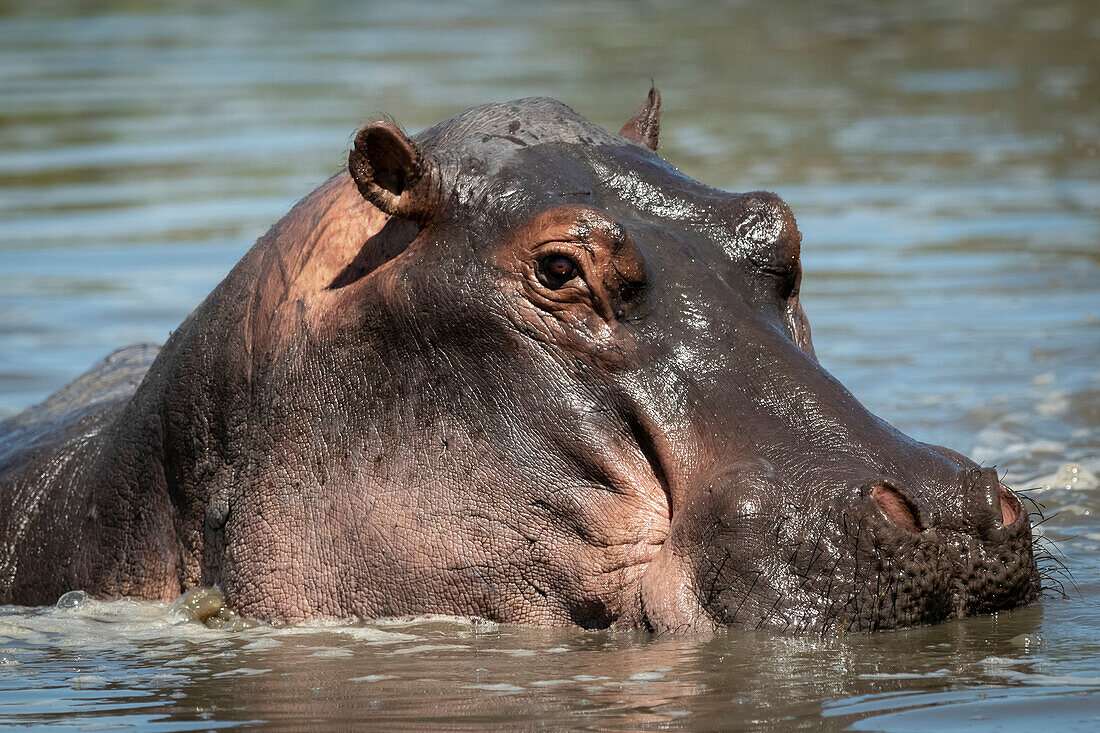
(198, 393)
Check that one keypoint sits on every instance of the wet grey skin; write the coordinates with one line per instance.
(514, 367)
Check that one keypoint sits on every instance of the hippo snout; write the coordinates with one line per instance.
(868, 555)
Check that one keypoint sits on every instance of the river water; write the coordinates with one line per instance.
(941, 158)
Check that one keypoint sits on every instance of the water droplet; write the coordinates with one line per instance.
(73, 599)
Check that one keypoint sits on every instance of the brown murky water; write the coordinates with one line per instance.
(941, 157)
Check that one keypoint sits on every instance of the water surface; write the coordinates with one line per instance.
(941, 158)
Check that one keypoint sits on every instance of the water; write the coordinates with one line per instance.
(941, 157)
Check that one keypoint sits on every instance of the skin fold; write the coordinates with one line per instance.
(513, 367)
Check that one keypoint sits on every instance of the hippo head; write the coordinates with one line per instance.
(564, 383)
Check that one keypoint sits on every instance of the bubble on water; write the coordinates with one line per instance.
(332, 653)
(73, 599)
(7, 660)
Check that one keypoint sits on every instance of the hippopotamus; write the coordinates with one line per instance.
(513, 367)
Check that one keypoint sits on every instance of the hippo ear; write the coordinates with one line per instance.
(391, 173)
(644, 127)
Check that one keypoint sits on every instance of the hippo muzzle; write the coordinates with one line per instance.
(869, 558)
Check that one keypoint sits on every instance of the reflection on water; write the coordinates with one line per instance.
(941, 159)
(128, 662)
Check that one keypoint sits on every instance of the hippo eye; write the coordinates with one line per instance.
(786, 279)
(557, 270)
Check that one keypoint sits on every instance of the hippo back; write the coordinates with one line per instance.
(77, 410)
(42, 441)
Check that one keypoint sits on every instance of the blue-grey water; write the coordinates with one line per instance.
(941, 158)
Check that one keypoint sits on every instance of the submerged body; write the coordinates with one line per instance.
(516, 367)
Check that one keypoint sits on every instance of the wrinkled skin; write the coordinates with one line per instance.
(519, 368)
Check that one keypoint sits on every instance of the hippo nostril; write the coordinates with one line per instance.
(897, 507)
(1010, 506)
